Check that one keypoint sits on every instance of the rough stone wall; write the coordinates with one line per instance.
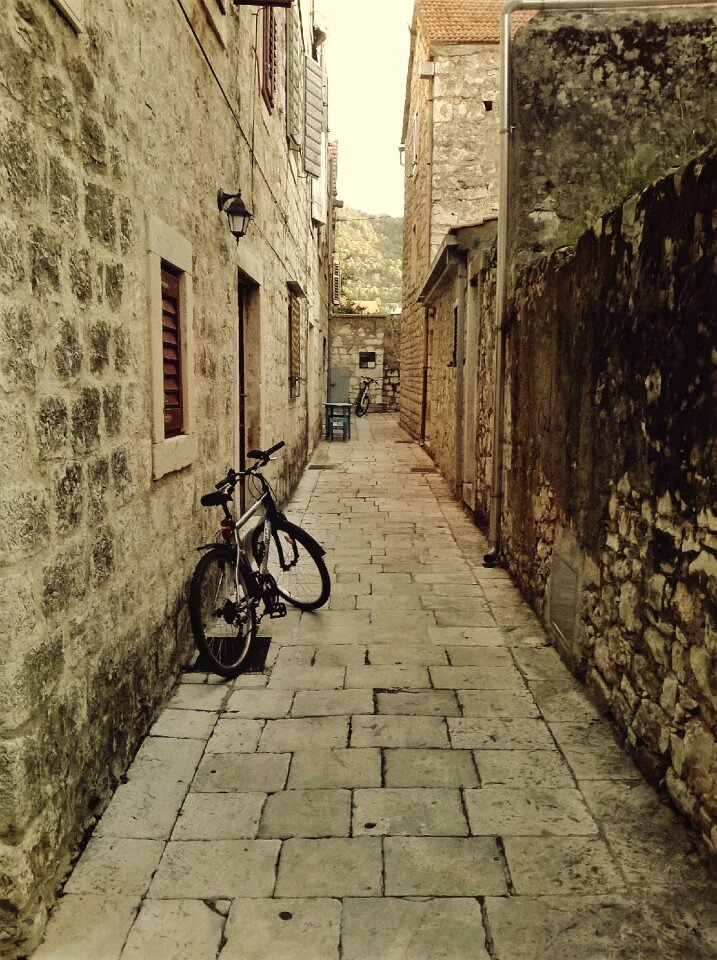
(485, 390)
(441, 441)
(465, 138)
(416, 239)
(603, 103)
(350, 334)
(391, 362)
(98, 135)
(614, 400)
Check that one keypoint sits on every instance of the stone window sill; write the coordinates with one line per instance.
(173, 454)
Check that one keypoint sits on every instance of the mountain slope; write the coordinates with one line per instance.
(370, 250)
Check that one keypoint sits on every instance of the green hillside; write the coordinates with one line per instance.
(369, 249)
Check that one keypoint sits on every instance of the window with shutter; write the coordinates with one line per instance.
(336, 282)
(268, 73)
(171, 354)
(294, 82)
(294, 345)
(314, 117)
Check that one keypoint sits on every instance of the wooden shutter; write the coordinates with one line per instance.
(294, 345)
(268, 79)
(171, 354)
(294, 84)
(314, 118)
(336, 282)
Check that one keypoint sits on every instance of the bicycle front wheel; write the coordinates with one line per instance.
(362, 404)
(296, 565)
(222, 614)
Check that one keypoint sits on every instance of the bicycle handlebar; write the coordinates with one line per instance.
(262, 456)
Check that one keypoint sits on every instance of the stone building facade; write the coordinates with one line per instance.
(119, 123)
(450, 140)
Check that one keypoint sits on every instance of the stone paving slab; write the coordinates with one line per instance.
(177, 724)
(531, 811)
(517, 768)
(113, 867)
(260, 703)
(411, 812)
(430, 768)
(320, 703)
(497, 733)
(419, 703)
(216, 870)
(506, 704)
(387, 677)
(295, 929)
(86, 927)
(334, 769)
(399, 731)
(180, 929)
(303, 733)
(393, 928)
(248, 772)
(562, 865)
(331, 867)
(307, 813)
(219, 816)
(235, 736)
(595, 928)
(592, 751)
(443, 867)
(476, 678)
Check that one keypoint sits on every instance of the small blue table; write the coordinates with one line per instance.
(338, 415)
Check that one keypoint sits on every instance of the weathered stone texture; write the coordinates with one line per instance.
(613, 400)
(95, 554)
(639, 89)
(350, 335)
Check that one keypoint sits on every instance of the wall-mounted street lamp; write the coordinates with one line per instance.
(237, 213)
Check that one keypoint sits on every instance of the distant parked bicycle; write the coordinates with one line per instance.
(363, 400)
(229, 593)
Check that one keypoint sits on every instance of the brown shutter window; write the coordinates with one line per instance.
(171, 354)
(294, 346)
(268, 77)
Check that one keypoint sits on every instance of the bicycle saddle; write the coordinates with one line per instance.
(215, 499)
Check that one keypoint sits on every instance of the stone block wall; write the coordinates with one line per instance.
(349, 335)
(613, 403)
(603, 103)
(466, 145)
(391, 363)
(99, 140)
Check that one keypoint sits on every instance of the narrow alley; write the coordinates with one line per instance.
(414, 776)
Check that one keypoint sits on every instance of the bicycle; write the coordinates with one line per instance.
(363, 400)
(227, 590)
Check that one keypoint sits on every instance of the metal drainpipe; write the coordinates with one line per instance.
(460, 291)
(505, 106)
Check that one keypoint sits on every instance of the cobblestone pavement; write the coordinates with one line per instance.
(416, 776)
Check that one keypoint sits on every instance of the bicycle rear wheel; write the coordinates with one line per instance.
(222, 614)
(296, 565)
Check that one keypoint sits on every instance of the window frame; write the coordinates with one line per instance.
(73, 11)
(367, 359)
(169, 249)
(170, 277)
(294, 345)
(268, 57)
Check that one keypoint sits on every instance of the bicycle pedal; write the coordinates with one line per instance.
(278, 611)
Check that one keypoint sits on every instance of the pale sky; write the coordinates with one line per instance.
(367, 59)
